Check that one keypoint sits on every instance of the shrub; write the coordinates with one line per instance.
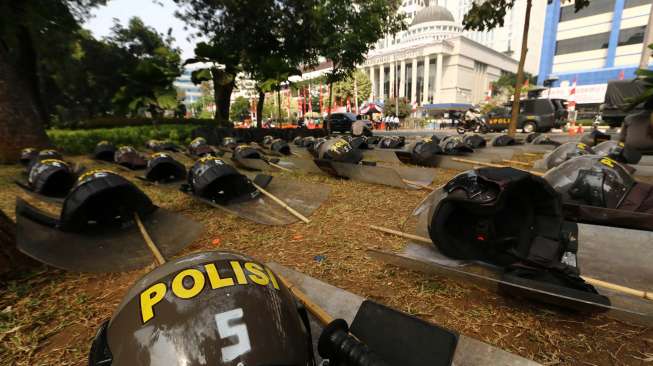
(83, 141)
(111, 122)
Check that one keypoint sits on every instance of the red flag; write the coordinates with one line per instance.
(320, 99)
(622, 75)
(310, 101)
(348, 104)
(526, 83)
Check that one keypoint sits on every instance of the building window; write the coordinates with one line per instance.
(596, 7)
(581, 44)
(634, 3)
(631, 36)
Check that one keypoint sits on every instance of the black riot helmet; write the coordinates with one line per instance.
(532, 136)
(229, 143)
(129, 157)
(298, 141)
(359, 142)
(51, 177)
(490, 213)
(591, 180)
(338, 150)
(199, 147)
(280, 146)
(213, 179)
(101, 198)
(618, 151)
(565, 152)
(314, 146)
(105, 151)
(454, 145)
(27, 154)
(267, 140)
(511, 219)
(424, 152)
(43, 155)
(246, 152)
(544, 140)
(594, 138)
(475, 141)
(210, 308)
(158, 146)
(164, 168)
(503, 140)
(392, 142)
(308, 141)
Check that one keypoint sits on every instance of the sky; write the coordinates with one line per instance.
(160, 17)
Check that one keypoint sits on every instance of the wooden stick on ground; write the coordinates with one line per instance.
(322, 316)
(148, 240)
(279, 167)
(530, 154)
(492, 165)
(480, 163)
(612, 286)
(282, 204)
(626, 290)
(402, 234)
(517, 162)
(417, 184)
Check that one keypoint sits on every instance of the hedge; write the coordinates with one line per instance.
(113, 122)
(83, 141)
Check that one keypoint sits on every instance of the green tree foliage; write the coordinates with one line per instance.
(267, 39)
(153, 66)
(349, 28)
(239, 109)
(405, 109)
(506, 83)
(489, 14)
(345, 89)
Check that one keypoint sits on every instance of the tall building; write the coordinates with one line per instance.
(433, 62)
(191, 91)
(506, 39)
(599, 43)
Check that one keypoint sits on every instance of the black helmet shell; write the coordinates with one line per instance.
(51, 177)
(210, 308)
(246, 152)
(503, 140)
(267, 140)
(104, 150)
(129, 157)
(591, 180)
(424, 151)
(392, 142)
(475, 141)
(229, 142)
(454, 145)
(211, 178)
(27, 154)
(280, 146)
(164, 168)
(101, 198)
(565, 152)
(338, 150)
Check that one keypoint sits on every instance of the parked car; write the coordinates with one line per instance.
(616, 99)
(340, 122)
(539, 115)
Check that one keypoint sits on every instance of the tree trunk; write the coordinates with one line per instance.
(328, 125)
(21, 125)
(259, 109)
(222, 95)
(520, 71)
(12, 261)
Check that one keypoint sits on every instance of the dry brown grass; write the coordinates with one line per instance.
(50, 316)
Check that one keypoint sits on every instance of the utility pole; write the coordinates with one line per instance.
(648, 39)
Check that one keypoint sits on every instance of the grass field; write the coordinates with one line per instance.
(50, 316)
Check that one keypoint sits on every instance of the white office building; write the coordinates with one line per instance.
(506, 39)
(433, 62)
